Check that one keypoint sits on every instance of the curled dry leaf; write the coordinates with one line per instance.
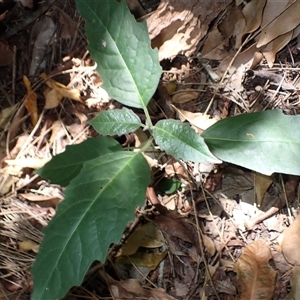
(31, 101)
(57, 92)
(53, 98)
(255, 276)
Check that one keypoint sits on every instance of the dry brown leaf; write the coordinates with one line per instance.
(147, 236)
(233, 25)
(291, 243)
(6, 113)
(272, 10)
(245, 58)
(209, 245)
(197, 119)
(255, 275)
(253, 15)
(270, 50)
(215, 45)
(52, 97)
(184, 96)
(132, 289)
(178, 25)
(57, 92)
(287, 21)
(261, 184)
(69, 26)
(141, 139)
(6, 57)
(31, 101)
(175, 226)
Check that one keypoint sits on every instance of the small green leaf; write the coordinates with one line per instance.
(62, 168)
(121, 47)
(99, 203)
(168, 186)
(181, 141)
(116, 122)
(266, 141)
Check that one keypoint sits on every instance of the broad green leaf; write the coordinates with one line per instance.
(181, 141)
(62, 168)
(121, 47)
(116, 122)
(266, 141)
(98, 204)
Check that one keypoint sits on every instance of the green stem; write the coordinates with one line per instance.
(148, 118)
(147, 145)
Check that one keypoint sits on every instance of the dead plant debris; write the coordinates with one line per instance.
(226, 231)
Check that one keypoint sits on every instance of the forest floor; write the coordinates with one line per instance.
(219, 212)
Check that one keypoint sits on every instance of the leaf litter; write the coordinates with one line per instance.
(223, 221)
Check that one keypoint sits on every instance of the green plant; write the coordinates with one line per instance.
(104, 183)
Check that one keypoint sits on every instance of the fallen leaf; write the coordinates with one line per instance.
(255, 276)
(184, 96)
(6, 113)
(291, 243)
(182, 24)
(69, 26)
(6, 57)
(253, 15)
(270, 50)
(147, 236)
(199, 120)
(43, 32)
(57, 92)
(209, 245)
(29, 162)
(215, 45)
(142, 258)
(53, 98)
(288, 20)
(261, 184)
(31, 101)
(27, 246)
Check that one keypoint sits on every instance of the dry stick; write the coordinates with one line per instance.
(286, 199)
(276, 92)
(199, 233)
(14, 70)
(141, 273)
